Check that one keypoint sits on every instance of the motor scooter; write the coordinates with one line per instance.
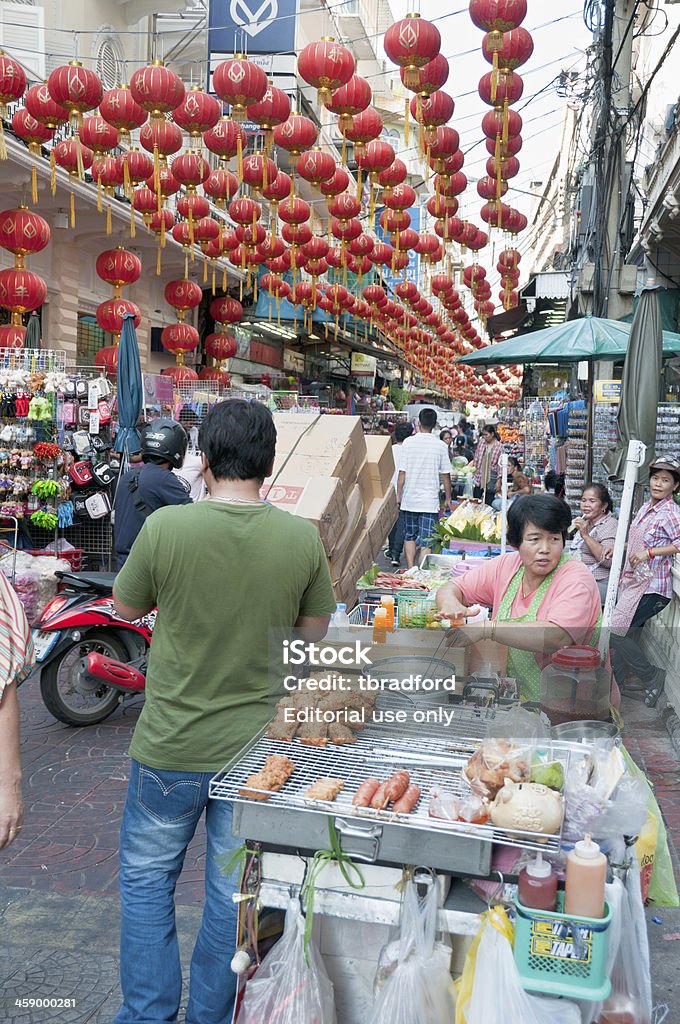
(89, 658)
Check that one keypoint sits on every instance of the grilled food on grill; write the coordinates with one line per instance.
(325, 789)
(340, 734)
(273, 777)
(313, 733)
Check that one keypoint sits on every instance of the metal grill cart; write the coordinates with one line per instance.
(353, 925)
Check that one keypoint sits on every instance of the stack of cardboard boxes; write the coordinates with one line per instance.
(327, 471)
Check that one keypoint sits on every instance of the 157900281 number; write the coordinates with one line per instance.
(52, 1003)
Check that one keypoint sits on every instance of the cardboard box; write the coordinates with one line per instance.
(339, 440)
(354, 562)
(380, 463)
(365, 485)
(380, 518)
(354, 524)
(320, 500)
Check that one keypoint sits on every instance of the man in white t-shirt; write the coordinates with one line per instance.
(395, 541)
(423, 465)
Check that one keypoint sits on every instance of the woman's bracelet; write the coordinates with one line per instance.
(650, 554)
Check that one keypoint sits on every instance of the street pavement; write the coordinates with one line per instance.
(58, 896)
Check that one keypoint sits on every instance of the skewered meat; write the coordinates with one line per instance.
(325, 789)
(273, 777)
(408, 801)
(340, 734)
(365, 793)
(378, 798)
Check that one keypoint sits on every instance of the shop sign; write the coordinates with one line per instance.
(608, 391)
(267, 353)
(294, 362)
(264, 29)
(363, 365)
(157, 389)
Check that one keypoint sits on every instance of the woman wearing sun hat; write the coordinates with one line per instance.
(646, 584)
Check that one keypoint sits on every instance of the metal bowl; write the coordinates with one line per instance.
(587, 731)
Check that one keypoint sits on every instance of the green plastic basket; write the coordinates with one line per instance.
(416, 610)
(561, 955)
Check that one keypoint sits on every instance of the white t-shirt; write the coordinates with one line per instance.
(190, 472)
(396, 455)
(423, 457)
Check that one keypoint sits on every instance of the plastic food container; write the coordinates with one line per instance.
(575, 686)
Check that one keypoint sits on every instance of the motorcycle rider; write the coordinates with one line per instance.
(142, 490)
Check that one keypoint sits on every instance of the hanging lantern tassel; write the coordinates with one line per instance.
(344, 147)
(79, 159)
(34, 183)
(359, 184)
(73, 210)
(255, 288)
(506, 121)
(205, 271)
(133, 229)
(186, 262)
(406, 121)
(157, 175)
(109, 227)
(371, 204)
(191, 224)
(224, 279)
(53, 172)
(162, 232)
(427, 164)
(99, 194)
(212, 283)
(126, 180)
(239, 156)
(240, 290)
(265, 181)
(3, 144)
(158, 261)
(497, 150)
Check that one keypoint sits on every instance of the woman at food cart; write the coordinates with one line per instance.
(487, 463)
(540, 599)
(594, 533)
(646, 585)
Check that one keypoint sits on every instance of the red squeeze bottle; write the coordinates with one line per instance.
(538, 885)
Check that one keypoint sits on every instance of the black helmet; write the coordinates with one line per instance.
(164, 440)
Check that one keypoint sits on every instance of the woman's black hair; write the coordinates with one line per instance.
(491, 428)
(238, 439)
(514, 462)
(446, 430)
(541, 510)
(602, 493)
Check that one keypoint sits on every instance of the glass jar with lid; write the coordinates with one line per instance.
(574, 685)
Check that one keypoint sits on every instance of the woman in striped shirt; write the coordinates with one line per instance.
(487, 464)
(16, 660)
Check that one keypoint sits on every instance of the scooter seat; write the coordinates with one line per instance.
(101, 582)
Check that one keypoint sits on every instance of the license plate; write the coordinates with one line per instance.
(43, 642)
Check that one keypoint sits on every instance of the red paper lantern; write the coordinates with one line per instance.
(495, 88)
(145, 202)
(382, 254)
(98, 135)
(108, 172)
(411, 44)
(315, 249)
(489, 188)
(161, 223)
(296, 234)
(221, 186)
(315, 166)
(407, 239)
(258, 171)
(180, 374)
(393, 175)
(23, 232)
(244, 210)
(161, 136)
(76, 88)
(294, 211)
(179, 338)
(433, 111)
(120, 110)
(377, 157)
(220, 346)
(498, 15)
(250, 235)
(212, 373)
(12, 82)
(206, 229)
(225, 139)
(137, 166)
(157, 89)
(190, 169)
(118, 267)
(504, 149)
(271, 248)
(514, 50)
(110, 314)
(344, 207)
(402, 197)
(12, 336)
(272, 110)
(240, 83)
(69, 156)
(107, 359)
(197, 113)
(431, 76)
(183, 295)
(167, 183)
(326, 65)
(278, 189)
(296, 134)
(43, 108)
(335, 185)
(226, 310)
(496, 125)
(366, 126)
(346, 230)
(503, 168)
(21, 290)
(510, 258)
(32, 132)
(275, 286)
(349, 100)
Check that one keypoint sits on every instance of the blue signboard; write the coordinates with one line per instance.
(413, 269)
(258, 26)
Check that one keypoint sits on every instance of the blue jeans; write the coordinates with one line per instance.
(161, 813)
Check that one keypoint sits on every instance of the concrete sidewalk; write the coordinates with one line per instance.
(58, 898)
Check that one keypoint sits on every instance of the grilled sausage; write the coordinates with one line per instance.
(365, 793)
(408, 801)
(379, 800)
(396, 787)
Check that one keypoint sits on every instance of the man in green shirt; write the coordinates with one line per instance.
(224, 573)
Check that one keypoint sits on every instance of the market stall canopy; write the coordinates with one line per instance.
(588, 338)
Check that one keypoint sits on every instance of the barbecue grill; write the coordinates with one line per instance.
(433, 756)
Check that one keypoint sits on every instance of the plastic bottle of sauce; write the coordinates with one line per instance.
(538, 885)
(387, 603)
(380, 626)
(586, 877)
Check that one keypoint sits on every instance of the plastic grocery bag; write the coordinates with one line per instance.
(291, 986)
(418, 989)
(631, 977)
(490, 990)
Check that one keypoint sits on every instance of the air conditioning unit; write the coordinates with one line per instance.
(586, 278)
(628, 277)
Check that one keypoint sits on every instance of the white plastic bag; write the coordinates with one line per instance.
(419, 988)
(290, 988)
(497, 995)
